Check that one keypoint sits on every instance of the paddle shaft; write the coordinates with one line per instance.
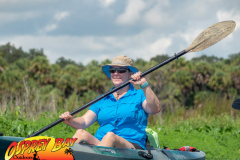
(110, 92)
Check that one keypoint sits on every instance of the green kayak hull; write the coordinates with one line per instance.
(109, 153)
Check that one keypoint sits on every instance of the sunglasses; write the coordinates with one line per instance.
(119, 70)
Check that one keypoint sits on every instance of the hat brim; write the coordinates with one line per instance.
(106, 68)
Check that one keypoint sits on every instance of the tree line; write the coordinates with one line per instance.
(181, 83)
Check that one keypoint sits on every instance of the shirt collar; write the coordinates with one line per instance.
(131, 91)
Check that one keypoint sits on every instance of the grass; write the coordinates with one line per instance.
(213, 128)
(217, 137)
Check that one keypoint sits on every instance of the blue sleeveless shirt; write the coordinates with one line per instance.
(125, 117)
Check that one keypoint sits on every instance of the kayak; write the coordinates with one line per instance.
(83, 151)
(110, 153)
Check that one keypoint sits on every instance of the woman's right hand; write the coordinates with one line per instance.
(67, 118)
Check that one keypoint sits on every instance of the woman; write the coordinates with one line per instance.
(122, 116)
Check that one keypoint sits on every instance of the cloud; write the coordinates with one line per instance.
(16, 4)
(107, 3)
(149, 13)
(155, 17)
(229, 15)
(136, 28)
(56, 46)
(6, 17)
(190, 34)
(56, 20)
(48, 28)
(160, 46)
(132, 12)
(85, 48)
(61, 15)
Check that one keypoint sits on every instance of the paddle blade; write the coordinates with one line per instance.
(211, 35)
(236, 104)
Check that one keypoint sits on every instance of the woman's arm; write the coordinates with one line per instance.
(151, 105)
(80, 122)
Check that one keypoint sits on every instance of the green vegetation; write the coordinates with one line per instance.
(196, 97)
(213, 128)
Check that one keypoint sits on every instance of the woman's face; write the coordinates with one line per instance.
(119, 78)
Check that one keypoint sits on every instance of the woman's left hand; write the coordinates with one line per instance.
(137, 79)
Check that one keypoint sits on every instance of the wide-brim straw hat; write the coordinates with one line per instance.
(122, 61)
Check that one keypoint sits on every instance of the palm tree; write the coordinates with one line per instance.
(139, 64)
(68, 79)
(220, 66)
(21, 64)
(72, 69)
(202, 71)
(35, 53)
(3, 64)
(39, 65)
(105, 62)
(178, 64)
(92, 78)
(171, 96)
(220, 81)
(53, 76)
(209, 59)
(11, 54)
(158, 80)
(234, 57)
(160, 58)
(66, 84)
(184, 80)
(235, 77)
(11, 80)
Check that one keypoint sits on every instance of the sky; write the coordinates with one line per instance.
(86, 30)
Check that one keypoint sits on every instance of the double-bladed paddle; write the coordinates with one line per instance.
(207, 38)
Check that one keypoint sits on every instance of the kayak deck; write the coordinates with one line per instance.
(99, 152)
